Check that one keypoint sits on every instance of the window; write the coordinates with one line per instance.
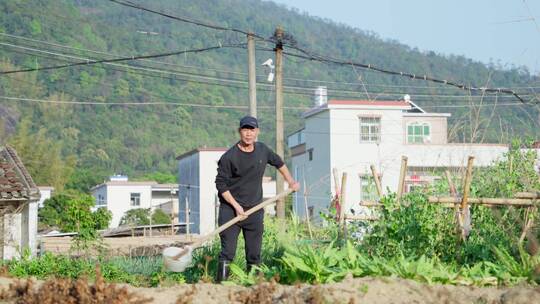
(418, 133)
(370, 129)
(100, 201)
(310, 154)
(135, 199)
(368, 190)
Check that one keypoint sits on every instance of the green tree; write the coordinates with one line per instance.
(71, 211)
(136, 217)
(160, 217)
(42, 156)
(160, 177)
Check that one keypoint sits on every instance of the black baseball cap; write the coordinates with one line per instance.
(248, 121)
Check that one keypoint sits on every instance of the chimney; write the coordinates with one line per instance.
(321, 96)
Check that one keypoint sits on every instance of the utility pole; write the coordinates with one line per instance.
(252, 76)
(280, 206)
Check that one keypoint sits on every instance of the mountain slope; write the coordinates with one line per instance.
(139, 139)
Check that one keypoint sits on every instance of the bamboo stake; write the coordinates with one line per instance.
(453, 192)
(377, 181)
(465, 216)
(451, 201)
(527, 224)
(363, 217)
(308, 220)
(342, 198)
(531, 195)
(335, 201)
(483, 201)
(402, 174)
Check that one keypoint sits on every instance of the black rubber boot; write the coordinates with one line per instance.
(222, 271)
(250, 266)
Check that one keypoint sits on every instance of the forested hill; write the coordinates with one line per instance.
(198, 97)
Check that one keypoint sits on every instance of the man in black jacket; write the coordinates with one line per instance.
(239, 185)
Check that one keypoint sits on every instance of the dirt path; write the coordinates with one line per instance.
(362, 290)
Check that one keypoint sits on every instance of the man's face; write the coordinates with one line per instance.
(248, 135)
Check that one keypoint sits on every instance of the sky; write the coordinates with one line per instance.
(504, 31)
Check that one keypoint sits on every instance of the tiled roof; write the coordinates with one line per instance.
(15, 181)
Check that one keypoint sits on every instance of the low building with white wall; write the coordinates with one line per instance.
(119, 195)
(352, 135)
(19, 198)
(197, 170)
(46, 193)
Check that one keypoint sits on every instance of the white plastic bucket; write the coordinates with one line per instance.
(180, 264)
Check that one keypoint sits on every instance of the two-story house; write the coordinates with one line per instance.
(119, 195)
(352, 135)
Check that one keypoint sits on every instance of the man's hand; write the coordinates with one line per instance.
(240, 212)
(294, 185)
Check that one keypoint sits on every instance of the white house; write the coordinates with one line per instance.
(119, 195)
(197, 170)
(19, 198)
(46, 193)
(351, 135)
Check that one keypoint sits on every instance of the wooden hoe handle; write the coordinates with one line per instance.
(233, 221)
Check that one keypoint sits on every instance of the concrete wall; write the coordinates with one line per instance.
(118, 200)
(208, 192)
(189, 189)
(12, 236)
(317, 171)
(438, 127)
(351, 155)
(29, 227)
(45, 192)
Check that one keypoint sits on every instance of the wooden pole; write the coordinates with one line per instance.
(342, 198)
(465, 215)
(186, 210)
(252, 79)
(531, 195)
(527, 224)
(308, 220)
(377, 181)
(402, 174)
(280, 206)
(335, 202)
(454, 193)
(519, 202)
(451, 185)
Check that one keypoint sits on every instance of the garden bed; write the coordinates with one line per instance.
(357, 290)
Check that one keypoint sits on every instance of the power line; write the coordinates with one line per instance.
(91, 62)
(231, 71)
(187, 20)
(311, 56)
(326, 59)
(289, 89)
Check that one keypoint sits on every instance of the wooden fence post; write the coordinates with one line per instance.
(377, 181)
(308, 219)
(337, 189)
(342, 198)
(402, 173)
(465, 215)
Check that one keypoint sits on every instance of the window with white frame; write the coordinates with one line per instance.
(370, 129)
(368, 189)
(418, 133)
(135, 199)
(100, 201)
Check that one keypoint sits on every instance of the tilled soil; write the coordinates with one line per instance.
(359, 290)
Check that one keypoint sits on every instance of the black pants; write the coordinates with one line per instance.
(252, 228)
